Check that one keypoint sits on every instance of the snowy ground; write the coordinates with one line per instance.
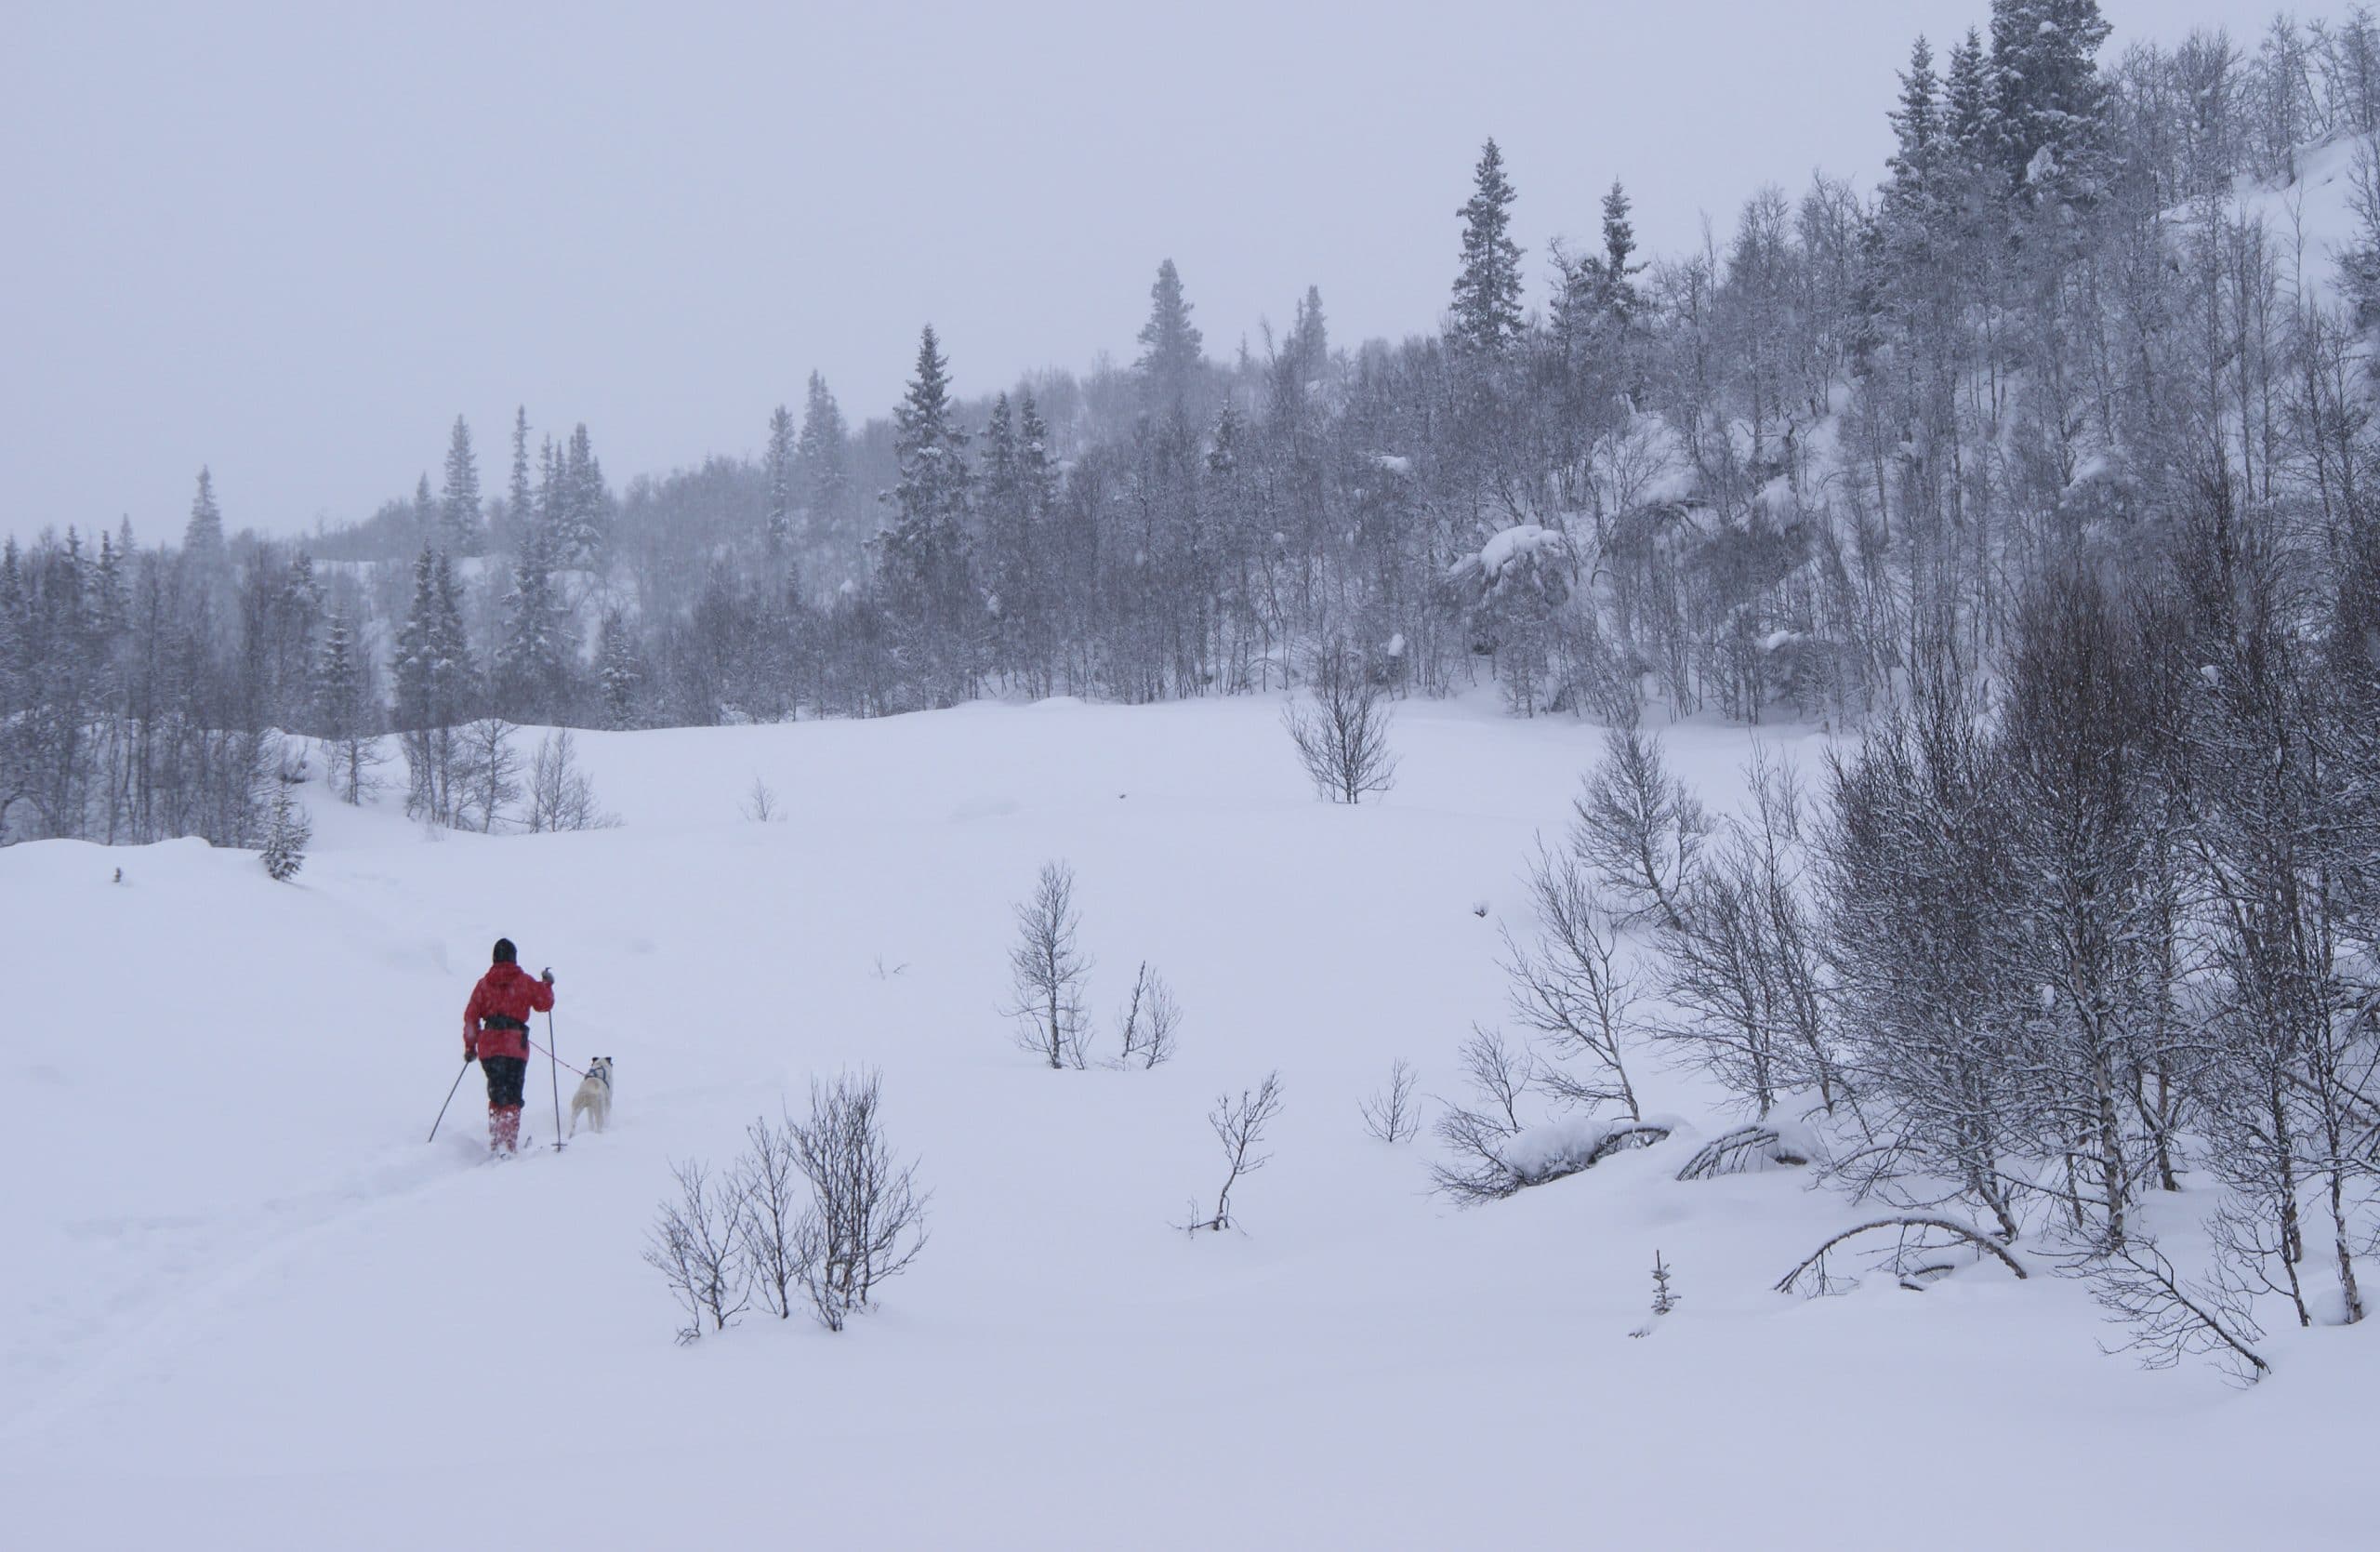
(247, 1306)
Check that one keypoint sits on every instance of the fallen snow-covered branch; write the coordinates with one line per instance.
(2168, 1318)
(1539, 1155)
(1744, 1148)
(1960, 1232)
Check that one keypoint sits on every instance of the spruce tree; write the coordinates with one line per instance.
(818, 459)
(1311, 334)
(12, 648)
(286, 834)
(922, 554)
(433, 673)
(582, 500)
(1917, 129)
(1488, 290)
(342, 710)
(1002, 506)
(460, 506)
(1972, 140)
(778, 525)
(617, 667)
(204, 539)
(532, 660)
(1170, 345)
(110, 587)
(2051, 99)
(518, 497)
(1620, 261)
(429, 521)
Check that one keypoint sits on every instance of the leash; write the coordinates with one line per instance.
(551, 1056)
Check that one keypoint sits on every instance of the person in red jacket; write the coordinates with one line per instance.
(496, 1034)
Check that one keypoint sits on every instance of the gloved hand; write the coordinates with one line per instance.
(470, 1056)
(546, 976)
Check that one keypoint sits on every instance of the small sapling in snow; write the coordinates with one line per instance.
(1393, 1113)
(287, 832)
(1239, 1125)
(1149, 1021)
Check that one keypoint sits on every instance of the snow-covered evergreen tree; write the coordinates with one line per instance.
(538, 649)
(820, 471)
(777, 524)
(203, 537)
(2051, 99)
(1170, 345)
(435, 678)
(520, 500)
(460, 506)
(1486, 312)
(923, 564)
(619, 669)
(582, 505)
(344, 715)
(288, 831)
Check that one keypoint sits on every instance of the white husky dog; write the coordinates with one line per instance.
(594, 1097)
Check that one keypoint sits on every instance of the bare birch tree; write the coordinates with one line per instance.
(1637, 827)
(1047, 970)
(1341, 731)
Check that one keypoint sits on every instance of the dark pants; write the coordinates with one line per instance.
(504, 1077)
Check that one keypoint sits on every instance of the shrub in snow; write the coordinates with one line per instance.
(286, 833)
(698, 1247)
(1342, 732)
(867, 1217)
(761, 803)
(816, 1212)
(773, 1198)
(1047, 970)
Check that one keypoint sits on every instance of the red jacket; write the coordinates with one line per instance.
(513, 993)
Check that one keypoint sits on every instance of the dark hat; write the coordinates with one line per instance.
(505, 952)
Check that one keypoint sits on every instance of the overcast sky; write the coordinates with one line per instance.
(293, 245)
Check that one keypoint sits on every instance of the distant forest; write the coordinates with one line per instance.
(1804, 471)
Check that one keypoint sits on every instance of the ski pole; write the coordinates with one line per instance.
(450, 1099)
(553, 1071)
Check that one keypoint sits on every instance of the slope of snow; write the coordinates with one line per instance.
(2310, 216)
(248, 1306)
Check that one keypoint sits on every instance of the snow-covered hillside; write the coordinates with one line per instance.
(247, 1304)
